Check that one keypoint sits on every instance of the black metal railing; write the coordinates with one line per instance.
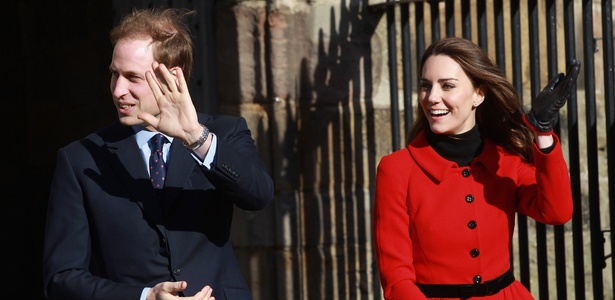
(558, 20)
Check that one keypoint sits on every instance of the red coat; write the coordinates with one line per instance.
(437, 223)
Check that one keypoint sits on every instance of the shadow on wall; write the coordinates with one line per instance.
(337, 147)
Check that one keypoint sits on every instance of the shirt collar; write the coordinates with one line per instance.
(143, 135)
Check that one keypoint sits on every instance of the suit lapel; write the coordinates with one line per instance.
(127, 161)
(181, 166)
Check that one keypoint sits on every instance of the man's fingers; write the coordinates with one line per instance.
(166, 79)
(179, 286)
(182, 84)
(149, 119)
(154, 85)
(204, 293)
(175, 287)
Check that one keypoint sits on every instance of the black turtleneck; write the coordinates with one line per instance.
(460, 148)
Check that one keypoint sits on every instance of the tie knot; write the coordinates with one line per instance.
(157, 141)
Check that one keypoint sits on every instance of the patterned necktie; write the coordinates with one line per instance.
(157, 168)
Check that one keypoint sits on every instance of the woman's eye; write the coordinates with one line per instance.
(425, 87)
(448, 86)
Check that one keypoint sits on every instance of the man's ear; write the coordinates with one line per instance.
(175, 71)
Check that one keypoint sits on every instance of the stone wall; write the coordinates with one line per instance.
(305, 82)
(314, 85)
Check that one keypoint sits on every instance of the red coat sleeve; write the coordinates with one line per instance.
(544, 189)
(391, 221)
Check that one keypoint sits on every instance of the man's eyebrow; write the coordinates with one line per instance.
(129, 73)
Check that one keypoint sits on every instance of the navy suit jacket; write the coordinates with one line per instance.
(109, 234)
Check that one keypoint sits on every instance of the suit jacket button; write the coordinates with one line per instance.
(465, 172)
(472, 224)
(177, 271)
(469, 198)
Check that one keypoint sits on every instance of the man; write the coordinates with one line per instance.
(120, 229)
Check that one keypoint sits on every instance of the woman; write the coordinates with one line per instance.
(445, 205)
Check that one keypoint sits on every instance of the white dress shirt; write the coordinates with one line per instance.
(143, 136)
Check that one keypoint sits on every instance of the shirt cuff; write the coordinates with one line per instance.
(144, 293)
(211, 154)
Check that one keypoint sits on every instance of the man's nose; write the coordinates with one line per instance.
(119, 86)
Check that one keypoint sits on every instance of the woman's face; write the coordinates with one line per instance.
(447, 96)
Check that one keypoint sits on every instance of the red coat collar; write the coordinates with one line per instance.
(437, 166)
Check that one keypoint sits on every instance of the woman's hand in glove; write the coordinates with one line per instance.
(545, 107)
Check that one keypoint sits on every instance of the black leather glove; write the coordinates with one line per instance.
(547, 104)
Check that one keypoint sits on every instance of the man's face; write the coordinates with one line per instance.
(131, 93)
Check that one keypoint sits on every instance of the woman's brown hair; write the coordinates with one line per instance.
(166, 27)
(499, 116)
